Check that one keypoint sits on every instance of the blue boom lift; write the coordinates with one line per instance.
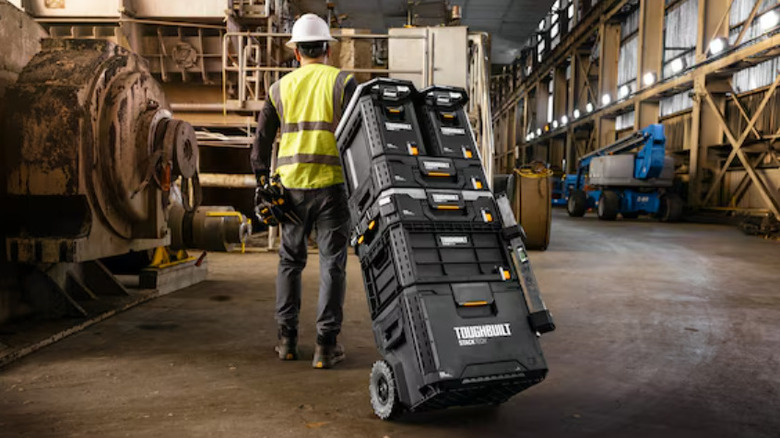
(615, 179)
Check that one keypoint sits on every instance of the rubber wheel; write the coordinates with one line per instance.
(609, 205)
(630, 215)
(384, 395)
(577, 203)
(504, 183)
(671, 208)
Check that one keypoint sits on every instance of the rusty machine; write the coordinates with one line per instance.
(97, 168)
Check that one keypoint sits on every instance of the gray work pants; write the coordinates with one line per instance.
(326, 211)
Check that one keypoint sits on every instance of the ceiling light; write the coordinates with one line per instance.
(555, 124)
(678, 65)
(624, 91)
(718, 45)
(648, 79)
(529, 137)
(565, 120)
(606, 99)
(769, 20)
(576, 114)
(589, 107)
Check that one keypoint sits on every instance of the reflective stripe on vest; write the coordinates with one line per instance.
(309, 103)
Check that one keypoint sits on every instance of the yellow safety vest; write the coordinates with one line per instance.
(309, 104)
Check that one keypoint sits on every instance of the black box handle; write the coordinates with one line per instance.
(393, 332)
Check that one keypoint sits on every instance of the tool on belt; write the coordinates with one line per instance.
(272, 204)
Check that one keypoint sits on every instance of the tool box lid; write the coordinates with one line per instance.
(444, 97)
(384, 89)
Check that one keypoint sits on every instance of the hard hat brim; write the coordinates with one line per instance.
(293, 42)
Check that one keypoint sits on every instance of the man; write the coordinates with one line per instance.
(308, 104)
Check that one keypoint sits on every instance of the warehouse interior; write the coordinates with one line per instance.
(626, 150)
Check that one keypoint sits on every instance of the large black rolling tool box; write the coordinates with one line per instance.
(456, 312)
(469, 339)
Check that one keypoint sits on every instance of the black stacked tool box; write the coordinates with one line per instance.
(409, 254)
(380, 120)
(418, 206)
(445, 123)
(449, 314)
(381, 147)
(396, 171)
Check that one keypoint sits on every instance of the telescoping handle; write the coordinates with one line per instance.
(540, 317)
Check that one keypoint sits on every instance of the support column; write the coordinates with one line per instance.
(511, 138)
(649, 59)
(526, 127)
(570, 154)
(560, 92)
(705, 127)
(560, 108)
(609, 53)
(542, 95)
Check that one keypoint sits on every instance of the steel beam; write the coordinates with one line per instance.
(768, 196)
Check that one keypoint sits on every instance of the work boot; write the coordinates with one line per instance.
(328, 352)
(287, 348)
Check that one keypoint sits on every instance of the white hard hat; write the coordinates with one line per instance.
(309, 28)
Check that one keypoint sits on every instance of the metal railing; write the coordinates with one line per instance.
(479, 104)
(257, 65)
(251, 7)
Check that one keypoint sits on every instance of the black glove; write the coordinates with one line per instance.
(262, 176)
(260, 195)
(264, 205)
(272, 205)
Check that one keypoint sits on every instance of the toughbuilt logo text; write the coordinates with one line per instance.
(479, 334)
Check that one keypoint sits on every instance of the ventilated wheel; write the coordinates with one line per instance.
(577, 203)
(671, 208)
(609, 205)
(383, 390)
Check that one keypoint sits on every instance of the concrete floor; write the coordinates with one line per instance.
(663, 330)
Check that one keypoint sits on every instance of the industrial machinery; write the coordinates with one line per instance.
(559, 191)
(614, 179)
(90, 142)
(95, 165)
(212, 228)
